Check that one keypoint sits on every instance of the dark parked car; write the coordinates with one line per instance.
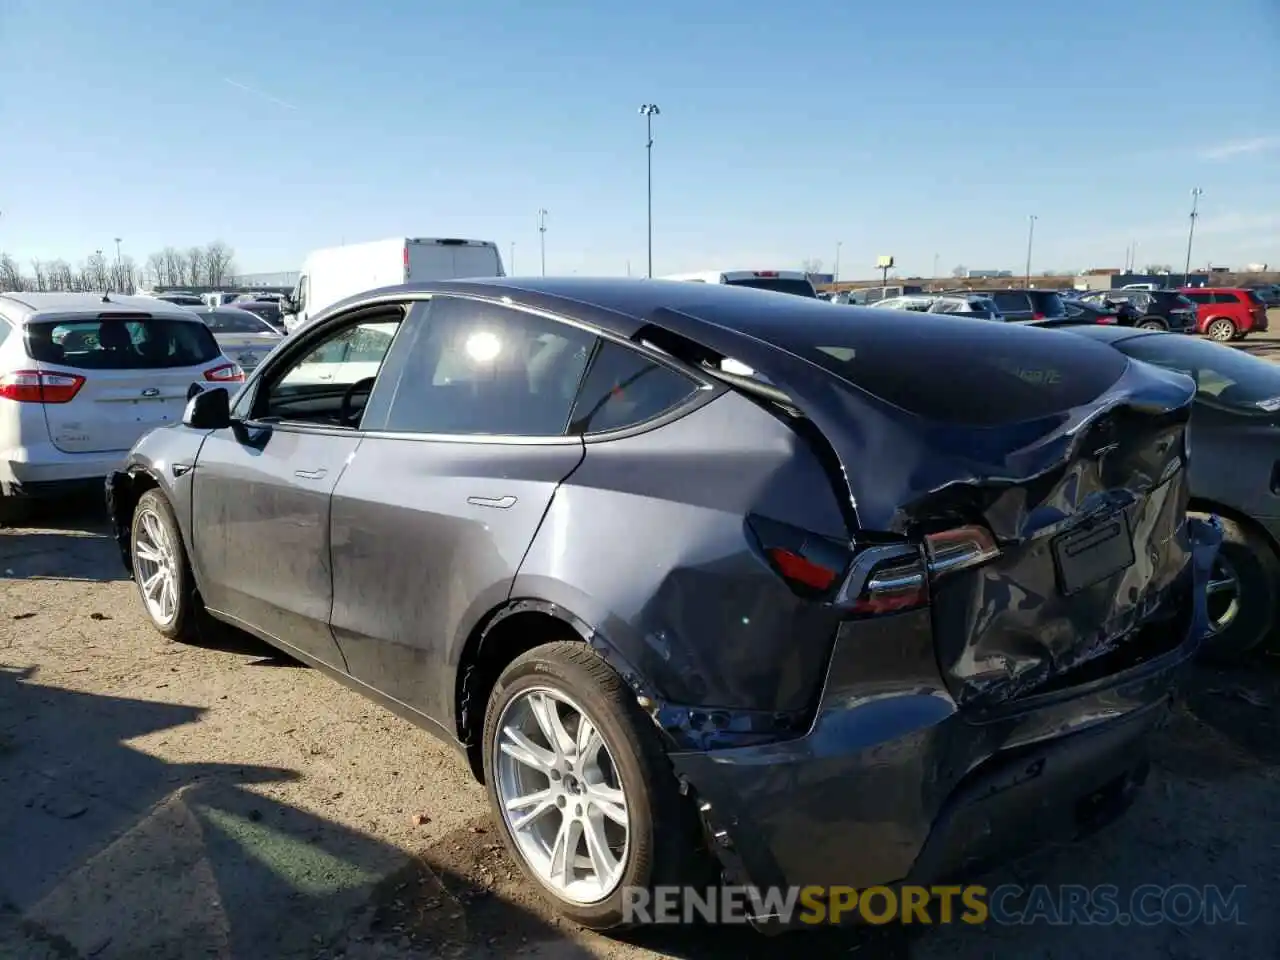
(1155, 309)
(672, 561)
(268, 310)
(1080, 311)
(1235, 473)
(1022, 305)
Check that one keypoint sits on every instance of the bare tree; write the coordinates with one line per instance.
(1157, 268)
(196, 266)
(157, 270)
(175, 267)
(10, 276)
(218, 260)
(959, 271)
(39, 276)
(124, 275)
(59, 275)
(811, 266)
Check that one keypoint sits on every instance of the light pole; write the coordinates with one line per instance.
(649, 111)
(542, 238)
(1031, 236)
(1191, 234)
(119, 275)
(835, 274)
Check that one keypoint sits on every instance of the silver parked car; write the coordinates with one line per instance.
(243, 336)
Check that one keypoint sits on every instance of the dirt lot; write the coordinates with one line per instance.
(168, 801)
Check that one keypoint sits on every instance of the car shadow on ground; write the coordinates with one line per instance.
(66, 539)
(108, 852)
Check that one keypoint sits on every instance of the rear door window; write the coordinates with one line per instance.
(121, 343)
(1198, 297)
(482, 369)
(624, 388)
(1225, 297)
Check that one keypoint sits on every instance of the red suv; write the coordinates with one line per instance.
(1227, 313)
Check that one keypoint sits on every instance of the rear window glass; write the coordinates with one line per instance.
(801, 288)
(1049, 304)
(1011, 302)
(961, 373)
(235, 321)
(1223, 375)
(119, 344)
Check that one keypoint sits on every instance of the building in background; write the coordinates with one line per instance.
(264, 281)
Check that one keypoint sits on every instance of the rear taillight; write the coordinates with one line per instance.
(226, 373)
(1038, 316)
(872, 579)
(36, 386)
(1105, 318)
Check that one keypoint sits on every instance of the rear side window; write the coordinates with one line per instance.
(623, 388)
(976, 374)
(114, 343)
(1254, 298)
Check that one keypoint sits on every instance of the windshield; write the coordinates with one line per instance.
(801, 288)
(111, 343)
(235, 321)
(1223, 375)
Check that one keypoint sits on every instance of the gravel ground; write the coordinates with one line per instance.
(166, 801)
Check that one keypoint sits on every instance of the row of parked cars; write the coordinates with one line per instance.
(1220, 313)
(701, 581)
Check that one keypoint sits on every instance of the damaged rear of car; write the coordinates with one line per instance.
(1020, 586)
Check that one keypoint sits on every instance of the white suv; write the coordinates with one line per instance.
(83, 376)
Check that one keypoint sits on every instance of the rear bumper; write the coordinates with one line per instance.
(44, 471)
(894, 783)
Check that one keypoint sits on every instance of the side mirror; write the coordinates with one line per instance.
(209, 409)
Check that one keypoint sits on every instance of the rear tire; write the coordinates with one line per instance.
(14, 511)
(1244, 611)
(1152, 325)
(661, 843)
(1220, 330)
(169, 600)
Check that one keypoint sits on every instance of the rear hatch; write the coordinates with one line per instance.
(1033, 479)
(779, 281)
(110, 378)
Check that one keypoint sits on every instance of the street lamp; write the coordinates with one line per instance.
(119, 275)
(1031, 236)
(835, 274)
(649, 111)
(542, 238)
(1196, 194)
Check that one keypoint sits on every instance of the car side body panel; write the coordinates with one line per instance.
(661, 563)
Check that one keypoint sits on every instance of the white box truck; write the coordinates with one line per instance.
(336, 273)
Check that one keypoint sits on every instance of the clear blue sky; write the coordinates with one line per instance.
(910, 128)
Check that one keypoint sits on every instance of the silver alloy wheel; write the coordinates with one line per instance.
(156, 562)
(561, 795)
(1221, 330)
(1223, 596)
(1151, 325)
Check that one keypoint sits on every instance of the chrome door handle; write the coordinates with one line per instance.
(324, 376)
(502, 503)
(310, 474)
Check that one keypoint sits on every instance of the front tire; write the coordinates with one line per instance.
(1151, 325)
(581, 787)
(161, 568)
(1244, 594)
(1220, 330)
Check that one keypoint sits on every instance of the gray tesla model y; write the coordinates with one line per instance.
(700, 575)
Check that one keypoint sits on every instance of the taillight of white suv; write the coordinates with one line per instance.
(37, 386)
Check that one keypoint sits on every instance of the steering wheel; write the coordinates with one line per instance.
(346, 415)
